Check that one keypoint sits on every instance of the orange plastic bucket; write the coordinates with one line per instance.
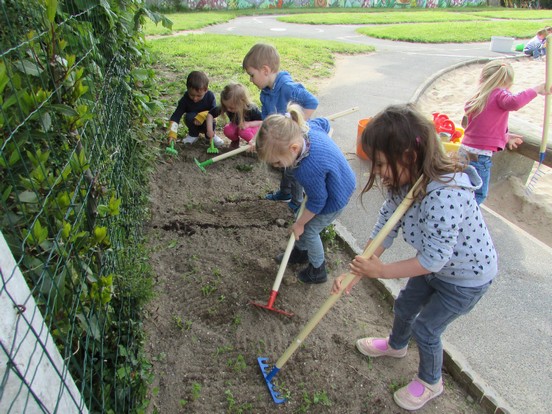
(361, 125)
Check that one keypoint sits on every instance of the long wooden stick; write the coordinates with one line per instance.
(546, 121)
(342, 113)
(547, 98)
(368, 252)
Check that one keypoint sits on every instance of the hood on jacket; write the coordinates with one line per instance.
(468, 179)
(282, 78)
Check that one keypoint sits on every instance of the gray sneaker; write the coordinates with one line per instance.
(189, 139)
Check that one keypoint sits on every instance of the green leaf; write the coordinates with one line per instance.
(140, 74)
(39, 233)
(64, 110)
(66, 230)
(51, 8)
(6, 193)
(100, 233)
(46, 121)
(4, 79)
(114, 204)
(14, 158)
(103, 210)
(28, 197)
(28, 67)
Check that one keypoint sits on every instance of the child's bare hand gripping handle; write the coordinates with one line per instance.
(346, 281)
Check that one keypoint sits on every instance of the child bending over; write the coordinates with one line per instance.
(455, 259)
(287, 141)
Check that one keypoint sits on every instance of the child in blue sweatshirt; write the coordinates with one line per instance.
(455, 260)
(262, 64)
(288, 141)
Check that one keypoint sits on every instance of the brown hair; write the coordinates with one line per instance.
(197, 80)
(278, 131)
(237, 95)
(406, 138)
(261, 55)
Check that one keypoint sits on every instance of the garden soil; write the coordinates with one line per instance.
(212, 240)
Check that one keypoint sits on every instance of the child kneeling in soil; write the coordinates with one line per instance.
(244, 116)
(455, 261)
(288, 141)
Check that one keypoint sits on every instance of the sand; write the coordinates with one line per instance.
(530, 210)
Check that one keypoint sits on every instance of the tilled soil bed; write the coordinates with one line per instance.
(212, 239)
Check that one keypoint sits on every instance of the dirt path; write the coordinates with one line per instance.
(212, 239)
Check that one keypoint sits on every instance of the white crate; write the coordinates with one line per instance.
(502, 44)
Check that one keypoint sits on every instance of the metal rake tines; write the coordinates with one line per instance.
(531, 185)
(268, 375)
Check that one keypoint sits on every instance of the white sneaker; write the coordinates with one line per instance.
(218, 141)
(189, 140)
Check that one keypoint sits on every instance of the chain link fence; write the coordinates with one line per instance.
(74, 165)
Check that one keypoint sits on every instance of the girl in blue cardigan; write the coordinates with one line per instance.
(288, 141)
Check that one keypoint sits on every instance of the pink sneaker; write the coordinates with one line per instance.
(376, 347)
(417, 393)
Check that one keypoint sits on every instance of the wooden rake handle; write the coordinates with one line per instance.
(547, 97)
(342, 113)
(287, 252)
(368, 252)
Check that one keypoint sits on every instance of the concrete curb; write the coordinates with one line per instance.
(423, 87)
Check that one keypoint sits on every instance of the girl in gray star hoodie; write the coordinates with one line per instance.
(455, 259)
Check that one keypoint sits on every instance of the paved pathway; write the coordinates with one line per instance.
(505, 343)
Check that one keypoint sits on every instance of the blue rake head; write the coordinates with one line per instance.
(268, 378)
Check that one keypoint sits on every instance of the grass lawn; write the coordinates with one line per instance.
(455, 32)
(432, 26)
(380, 18)
(188, 21)
(221, 57)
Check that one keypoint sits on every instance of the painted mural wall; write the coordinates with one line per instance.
(280, 4)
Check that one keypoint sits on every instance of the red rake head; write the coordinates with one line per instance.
(271, 308)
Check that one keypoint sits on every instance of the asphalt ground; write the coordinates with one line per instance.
(501, 350)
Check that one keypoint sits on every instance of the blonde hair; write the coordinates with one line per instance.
(236, 95)
(261, 55)
(278, 132)
(494, 74)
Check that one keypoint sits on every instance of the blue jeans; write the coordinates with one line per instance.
(289, 185)
(423, 309)
(536, 52)
(483, 167)
(311, 241)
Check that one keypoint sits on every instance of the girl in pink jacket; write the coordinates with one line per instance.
(487, 119)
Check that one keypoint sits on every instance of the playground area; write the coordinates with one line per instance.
(530, 210)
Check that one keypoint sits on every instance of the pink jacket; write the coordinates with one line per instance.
(487, 131)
